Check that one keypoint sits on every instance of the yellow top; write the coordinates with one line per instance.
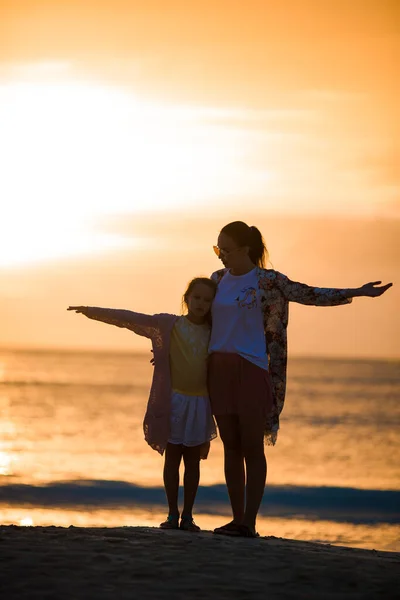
(188, 357)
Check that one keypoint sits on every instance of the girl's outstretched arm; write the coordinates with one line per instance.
(305, 294)
(142, 324)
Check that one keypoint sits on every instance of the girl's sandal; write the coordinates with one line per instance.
(187, 524)
(172, 522)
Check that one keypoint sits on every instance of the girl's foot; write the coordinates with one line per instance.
(172, 522)
(187, 524)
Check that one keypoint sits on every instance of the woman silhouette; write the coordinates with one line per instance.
(247, 362)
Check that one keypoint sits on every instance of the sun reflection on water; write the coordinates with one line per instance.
(6, 461)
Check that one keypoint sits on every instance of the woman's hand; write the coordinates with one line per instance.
(373, 289)
(78, 309)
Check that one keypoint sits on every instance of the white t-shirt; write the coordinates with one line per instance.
(237, 319)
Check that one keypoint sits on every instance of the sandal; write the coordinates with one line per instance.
(231, 528)
(172, 522)
(246, 531)
(187, 524)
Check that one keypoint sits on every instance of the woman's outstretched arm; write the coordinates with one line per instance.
(142, 324)
(370, 290)
(305, 294)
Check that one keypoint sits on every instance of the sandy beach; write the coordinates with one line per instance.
(141, 562)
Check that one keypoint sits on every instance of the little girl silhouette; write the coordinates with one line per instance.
(178, 418)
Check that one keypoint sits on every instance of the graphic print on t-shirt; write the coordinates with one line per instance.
(247, 298)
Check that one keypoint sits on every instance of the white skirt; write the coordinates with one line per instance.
(192, 423)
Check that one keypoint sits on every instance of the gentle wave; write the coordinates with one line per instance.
(72, 384)
(314, 503)
(350, 380)
(356, 421)
(309, 381)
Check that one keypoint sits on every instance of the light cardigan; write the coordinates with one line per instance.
(277, 291)
(158, 329)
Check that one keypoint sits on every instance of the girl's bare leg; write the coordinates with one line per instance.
(191, 478)
(173, 457)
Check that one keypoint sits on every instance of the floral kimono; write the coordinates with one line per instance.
(277, 291)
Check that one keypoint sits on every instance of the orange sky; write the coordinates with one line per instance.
(280, 113)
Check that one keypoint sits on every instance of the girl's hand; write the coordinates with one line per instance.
(373, 289)
(78, 309)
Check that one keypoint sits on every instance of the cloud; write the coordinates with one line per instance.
(384, 166)
(35, 71)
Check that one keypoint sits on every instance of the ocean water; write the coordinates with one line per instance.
(72, 449)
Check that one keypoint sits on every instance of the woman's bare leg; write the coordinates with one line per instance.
(229, 431)
(252, 444)
(173, 457)
(191, 478)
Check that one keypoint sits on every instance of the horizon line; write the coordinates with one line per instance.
(103, 350)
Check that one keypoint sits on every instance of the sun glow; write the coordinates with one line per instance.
(72, 152)
(5, 463)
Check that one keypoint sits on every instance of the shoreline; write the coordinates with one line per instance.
(381, 537)
(146, 562)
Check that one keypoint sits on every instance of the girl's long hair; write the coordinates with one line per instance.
(206, 281)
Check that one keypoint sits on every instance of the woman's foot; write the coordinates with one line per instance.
(172, 522)
(187, 524)
(230, 528)
(247, 531)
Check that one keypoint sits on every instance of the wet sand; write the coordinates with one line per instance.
(142, 562)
